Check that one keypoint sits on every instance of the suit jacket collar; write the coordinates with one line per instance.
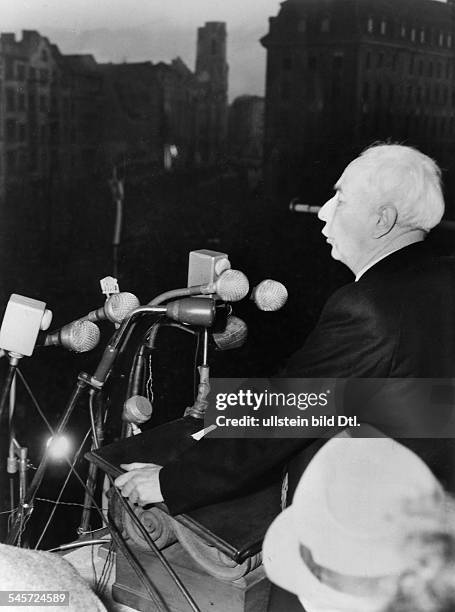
(408, 257)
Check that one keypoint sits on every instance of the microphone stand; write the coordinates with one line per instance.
(13, 363)
(96, 420)
(26, 505)
(17, 457)
(199, 408)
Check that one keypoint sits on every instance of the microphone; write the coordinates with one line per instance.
(233, 336)
(137, 409)
(115, 309)
(230, 286)
(78, 336)
(23, 319)
(269, 295)
(192, 311)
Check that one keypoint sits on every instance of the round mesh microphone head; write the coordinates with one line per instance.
(81, 336)
(233, 336)
(119, 305)
(232, 286)
(137, 409)
(270, 295)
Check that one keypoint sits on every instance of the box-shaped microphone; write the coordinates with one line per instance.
(21, 323)
(205, 266)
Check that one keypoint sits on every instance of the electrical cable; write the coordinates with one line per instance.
(35, 401)
(92, 419)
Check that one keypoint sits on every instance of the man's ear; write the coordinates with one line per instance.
(385, 221)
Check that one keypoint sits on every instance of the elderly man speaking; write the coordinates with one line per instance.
(397, 320)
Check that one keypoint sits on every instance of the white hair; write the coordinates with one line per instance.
(410, 180)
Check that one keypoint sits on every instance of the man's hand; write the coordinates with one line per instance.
(141, 483)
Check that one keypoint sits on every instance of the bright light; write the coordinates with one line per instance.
(59, 447)
(173, 151)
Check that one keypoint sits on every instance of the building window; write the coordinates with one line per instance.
(312, 63)
(11, 161)
(403, 31)
(394, 61)
(368, 60)
(449, 40)
(286, 63)
(419, 95)
(430, 69)
(383, 27)
(411, 64)
(391, 93)
(10, 100)
(337, 63)
(21, 101)
(325, 25)
(31, 102)
(32, 73)
(21, 134)
(380, 61)
(422, 35)
(43, 103)
(438, 70)
(421, 67)
(9, 69)
(44, 75)
(441, 39)
(413, 34)
(20, 72)
(11, 130)
(370, 25)
(447, 69)
(213, 48)
(366, 92)
(378, 92)
(301, 26)
(44, 55)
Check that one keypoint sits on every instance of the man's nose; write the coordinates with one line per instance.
(326, 211)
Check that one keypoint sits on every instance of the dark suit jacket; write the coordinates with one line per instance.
(397, 321)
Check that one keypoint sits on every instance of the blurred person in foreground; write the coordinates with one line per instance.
(369, 530)
(47, 576)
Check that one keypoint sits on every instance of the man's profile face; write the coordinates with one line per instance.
(349, 217)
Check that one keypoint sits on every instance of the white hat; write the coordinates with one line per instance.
(345, 523)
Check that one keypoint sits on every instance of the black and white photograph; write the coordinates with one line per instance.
(227, 305)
